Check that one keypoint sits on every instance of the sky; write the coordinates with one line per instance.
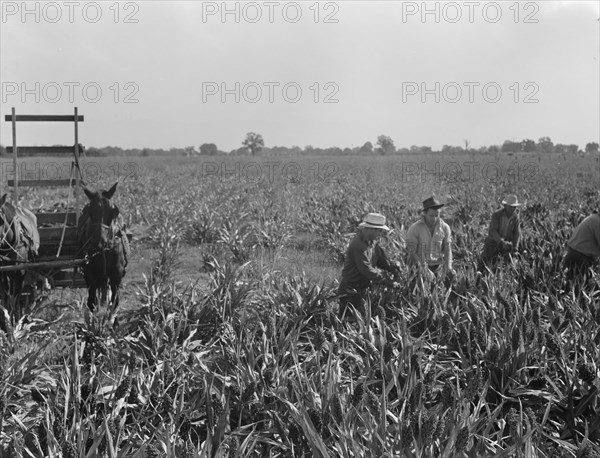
(161, 74)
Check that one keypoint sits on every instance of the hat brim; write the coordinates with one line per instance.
(372, 226)
(435, 207)
(518, 204)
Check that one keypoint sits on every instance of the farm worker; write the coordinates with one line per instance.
(504, 232)
(428, 244)
(365, 263)
(583, 248)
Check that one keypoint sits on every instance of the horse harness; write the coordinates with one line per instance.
(21, 240)
(115, 235)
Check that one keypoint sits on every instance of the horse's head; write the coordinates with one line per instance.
(7, 214)
(101, 213)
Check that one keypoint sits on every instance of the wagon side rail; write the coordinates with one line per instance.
(51, 265)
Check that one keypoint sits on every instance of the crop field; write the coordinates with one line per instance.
(227, 341)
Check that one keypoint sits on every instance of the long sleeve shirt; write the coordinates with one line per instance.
(429, 248)
(586, 237)
(502, 227)
(364, 263)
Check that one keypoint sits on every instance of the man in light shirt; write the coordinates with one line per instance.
(583, 248)
(504, 233)
(428, 244)
(365, 263)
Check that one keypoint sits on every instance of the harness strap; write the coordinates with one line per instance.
(18, 242)
(62, 236)
(114, 235)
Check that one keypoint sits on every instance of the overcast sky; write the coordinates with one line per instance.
(303, 73)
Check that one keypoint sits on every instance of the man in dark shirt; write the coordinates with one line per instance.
(504, 233)
(365, 263)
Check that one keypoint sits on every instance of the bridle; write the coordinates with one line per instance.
(95, 250)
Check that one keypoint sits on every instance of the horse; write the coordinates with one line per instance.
(19, 243)
(102, 240)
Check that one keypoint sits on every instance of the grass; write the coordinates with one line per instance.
(228, 343)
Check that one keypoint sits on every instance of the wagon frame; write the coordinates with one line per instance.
(58, 256)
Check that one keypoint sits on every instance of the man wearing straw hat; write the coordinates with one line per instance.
(365, 263)
(504, 233)
(583, 248)
(428, 244)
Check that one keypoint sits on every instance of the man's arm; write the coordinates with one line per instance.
(516, 238)
(596, 236)
(384, 263)
(494, 228)
(447, 248)
(412, 246)
(382, 260)
(363, 264)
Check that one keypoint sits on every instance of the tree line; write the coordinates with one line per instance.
(254, 144)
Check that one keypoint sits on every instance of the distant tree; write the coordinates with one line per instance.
(592, 148)
(467, 144)
(367, 148)
(208, 149)
(334, 151)
(511, 147)
(241, 151)
(450, 150)
(190, 151)
(494, 149)
(545, 145)
(174, 151)
(572, 149)
(447, 149)
(414, 149)
(559, 148)
(528, 146)
(385, 145)
(254, 142)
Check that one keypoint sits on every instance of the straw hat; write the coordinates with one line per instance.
(511, 200)
(374, 221)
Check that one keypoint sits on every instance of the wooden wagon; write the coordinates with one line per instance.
(58, 253)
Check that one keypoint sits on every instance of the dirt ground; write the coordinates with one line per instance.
(187, 272)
